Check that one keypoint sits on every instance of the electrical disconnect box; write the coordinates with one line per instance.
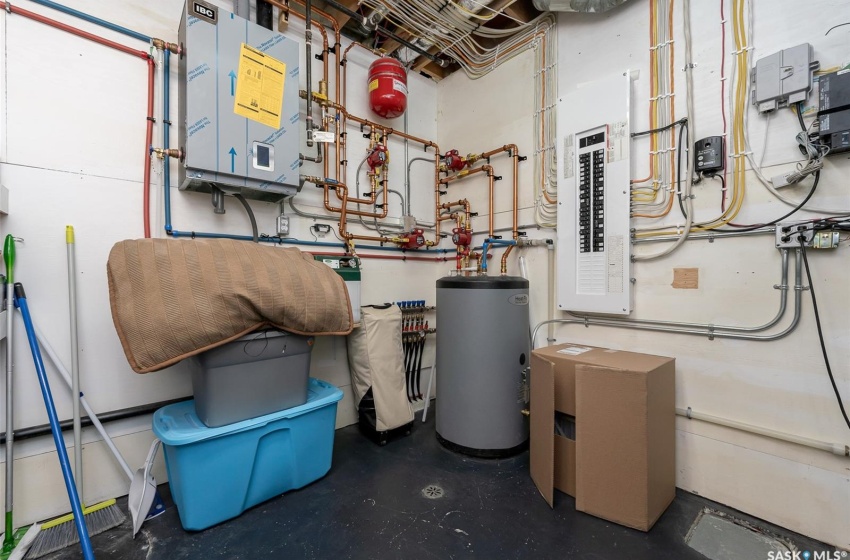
(594, 260)
(783, 78)
(834, 110)
(238, 109)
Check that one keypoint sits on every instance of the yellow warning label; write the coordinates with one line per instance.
(373, 85)
(259, 87)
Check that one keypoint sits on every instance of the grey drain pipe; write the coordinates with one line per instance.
(699, 329)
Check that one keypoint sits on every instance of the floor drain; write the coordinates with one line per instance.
(432, 492)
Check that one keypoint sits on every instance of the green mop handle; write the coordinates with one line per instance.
(9, 258)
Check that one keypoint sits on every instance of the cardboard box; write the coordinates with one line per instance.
(620, 462)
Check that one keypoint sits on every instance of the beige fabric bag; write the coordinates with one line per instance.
(376, 360)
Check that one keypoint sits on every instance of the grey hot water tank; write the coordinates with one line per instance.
(482, 350)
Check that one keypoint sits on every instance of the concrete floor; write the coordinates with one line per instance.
(371, 505)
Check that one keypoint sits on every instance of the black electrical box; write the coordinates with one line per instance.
(709, 154)
(834, 111)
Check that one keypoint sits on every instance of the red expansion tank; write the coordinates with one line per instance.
(387, 88)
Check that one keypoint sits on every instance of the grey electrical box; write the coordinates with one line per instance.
(783, 78)
(238, 109)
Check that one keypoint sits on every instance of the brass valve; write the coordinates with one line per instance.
(162, 153)
(161, 45)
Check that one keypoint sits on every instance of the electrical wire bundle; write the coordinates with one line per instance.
(545, 124)
(449, 26)
(652, 196)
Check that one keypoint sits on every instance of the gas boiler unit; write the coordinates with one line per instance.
(238, 111)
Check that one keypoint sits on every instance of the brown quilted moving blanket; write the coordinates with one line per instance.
(172, 298)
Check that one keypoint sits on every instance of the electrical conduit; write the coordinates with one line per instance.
(705, 329)
(839, 449)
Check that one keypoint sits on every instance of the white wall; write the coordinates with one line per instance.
(72, 139)
(781, 385)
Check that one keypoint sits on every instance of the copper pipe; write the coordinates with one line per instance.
(492, 201)
(386, 257)
(449, 205)
(349, 237)
(387, 131)
(325, 62)
(334, 23)
(514, 152)
(376, 52)
(343, 62)
(328, 207)
(327, 185)
(373, 196)
(483, 168)
(459, 257)
(336, 48)
(516, 194)
(465, 173)
(505, 259)
(437, 223)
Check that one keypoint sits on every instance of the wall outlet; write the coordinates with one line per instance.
(788, 235)
(283, 225)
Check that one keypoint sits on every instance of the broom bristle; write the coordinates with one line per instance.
(65, 534)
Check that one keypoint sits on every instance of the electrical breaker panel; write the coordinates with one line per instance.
(594, 262)
(238, 107)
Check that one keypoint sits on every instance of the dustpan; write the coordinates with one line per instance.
(143, 490)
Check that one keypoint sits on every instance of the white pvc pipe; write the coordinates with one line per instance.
(45, 345)
(523, 271)
(835, 448)
(428, 393)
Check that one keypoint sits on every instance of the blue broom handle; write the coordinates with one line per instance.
(76, 507)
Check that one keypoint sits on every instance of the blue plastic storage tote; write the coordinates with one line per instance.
(217, 473)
